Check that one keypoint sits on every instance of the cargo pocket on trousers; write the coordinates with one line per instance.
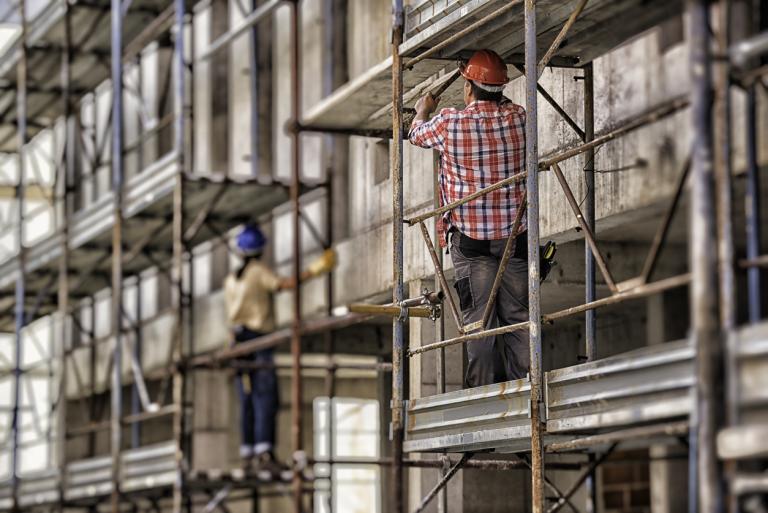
(464, 289)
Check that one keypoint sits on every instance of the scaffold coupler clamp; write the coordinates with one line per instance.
(300, 461)
(432, 300)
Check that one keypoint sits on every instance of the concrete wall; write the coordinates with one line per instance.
(628, 81)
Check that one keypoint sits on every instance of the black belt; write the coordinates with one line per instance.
(476, 247)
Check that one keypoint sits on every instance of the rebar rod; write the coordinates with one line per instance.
(589, 236)
(561, 36)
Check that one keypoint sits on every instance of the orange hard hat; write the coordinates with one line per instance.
(486, 67)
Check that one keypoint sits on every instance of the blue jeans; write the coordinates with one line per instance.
(258, 393)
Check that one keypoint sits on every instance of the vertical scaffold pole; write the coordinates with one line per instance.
(21, 293)
(534, 307)
(724, 213)
(723, 177)
(590, 320)
(589, 211)
(67, 171)
(253, 76)
(178, 258)
(398, 324)
(442, 495)
(704, 286)
(117, 248)
(296, 391)
(752, 207)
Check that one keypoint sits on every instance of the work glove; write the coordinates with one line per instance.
(324, 264)
(546, 259)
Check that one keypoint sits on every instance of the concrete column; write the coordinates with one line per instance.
(669, 467)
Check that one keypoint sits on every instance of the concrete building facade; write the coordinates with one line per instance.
(348, 202)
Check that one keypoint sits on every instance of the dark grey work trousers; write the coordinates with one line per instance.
(504, 357)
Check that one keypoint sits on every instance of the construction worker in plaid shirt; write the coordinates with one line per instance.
(480, 145)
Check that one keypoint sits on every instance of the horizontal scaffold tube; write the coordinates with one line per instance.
(638, 292)
(665, 109)
(667, 429)
(438, 463)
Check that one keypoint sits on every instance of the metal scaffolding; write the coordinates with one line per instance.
(540, 422)
(707, 482)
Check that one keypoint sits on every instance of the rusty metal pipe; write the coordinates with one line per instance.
(477, 194)
(580, 480)
(560, 36)
(638, 292)
(589, 236)
(655, 114)
(458, 36)
(534, 282)
(508, 248)
(666, 429)
(398, 324)
(704, 299)
(117, 244)
(441, 275)
(661, 234)
(443, 482)
(390, 310)
(296, 388)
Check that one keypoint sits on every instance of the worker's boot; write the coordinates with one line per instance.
(269, 469)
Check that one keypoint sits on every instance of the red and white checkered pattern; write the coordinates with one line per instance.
(479, 146)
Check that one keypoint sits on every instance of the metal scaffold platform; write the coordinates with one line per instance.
(667, 393)
(439, 34)
(214, 205)
(45, 44)
(643, 387)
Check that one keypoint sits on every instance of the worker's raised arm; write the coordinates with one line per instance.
(323, 264)
(425, 132)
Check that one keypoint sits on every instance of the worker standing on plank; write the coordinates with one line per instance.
(480, 145)
(248, 301)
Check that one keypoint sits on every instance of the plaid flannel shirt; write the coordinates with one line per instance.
(479, 146)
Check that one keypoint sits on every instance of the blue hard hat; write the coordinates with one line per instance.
(251, 240)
